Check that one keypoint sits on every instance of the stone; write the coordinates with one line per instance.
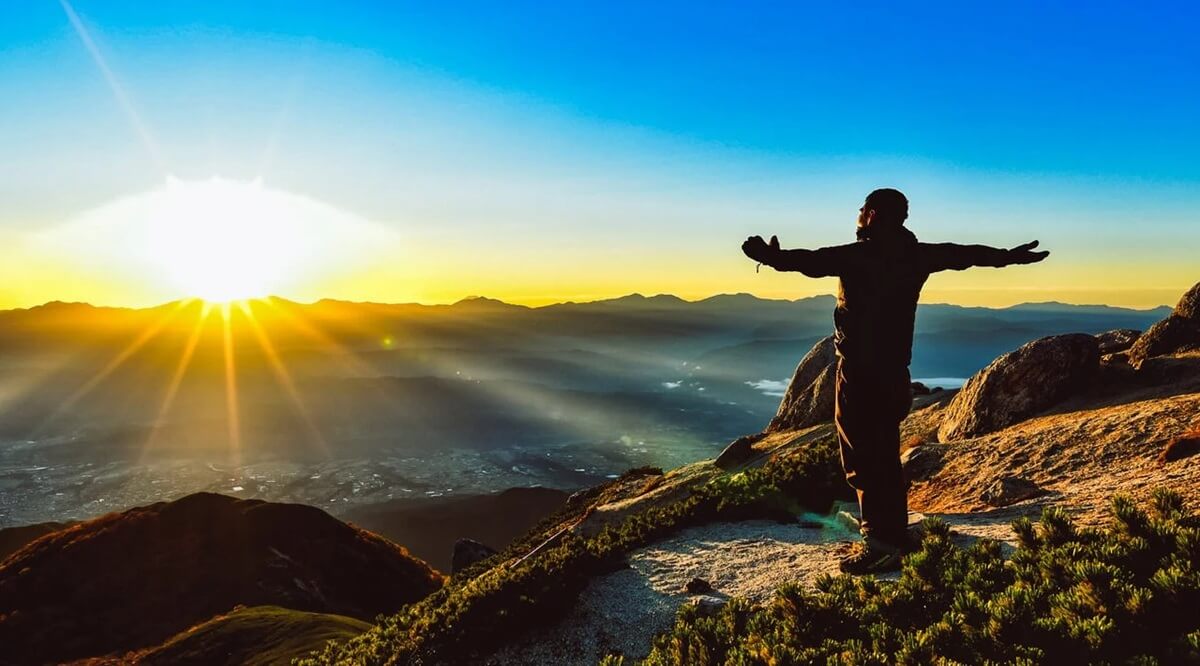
(1188, 306)
(1118, 340)
(707, 605)
(1181, 447)
(739, 451)
(1180, 331)
(1010, 490)
(1173, 334)
(809, 398)
(1020, 384)
(698, 586)
(468, 552)
(921, 462)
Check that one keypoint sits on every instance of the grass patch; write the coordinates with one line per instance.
(254, 636)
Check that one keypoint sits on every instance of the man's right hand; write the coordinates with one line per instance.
(1024, 254)
(759, 250)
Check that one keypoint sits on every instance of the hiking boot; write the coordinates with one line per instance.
(872, 557)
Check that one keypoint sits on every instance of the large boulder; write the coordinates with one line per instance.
(1020, 384)
(809, 397)
(1118, 340)
(1180, 331)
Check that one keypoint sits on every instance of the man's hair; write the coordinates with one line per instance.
(891, 206)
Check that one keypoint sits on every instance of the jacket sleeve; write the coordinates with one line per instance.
(822, 262)
(955, 257)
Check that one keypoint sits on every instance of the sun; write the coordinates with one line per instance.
(217, 239)
(224, 240)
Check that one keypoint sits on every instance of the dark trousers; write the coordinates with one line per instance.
(871, 403)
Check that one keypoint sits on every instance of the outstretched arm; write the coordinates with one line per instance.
(821, 262)
(951, 256)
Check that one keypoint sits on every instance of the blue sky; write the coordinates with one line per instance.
(656, 135)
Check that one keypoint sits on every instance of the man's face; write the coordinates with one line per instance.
(865, 215)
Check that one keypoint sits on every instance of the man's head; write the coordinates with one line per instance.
(883, 207)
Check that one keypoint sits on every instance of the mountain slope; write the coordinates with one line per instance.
(429, 527)
(133, 579)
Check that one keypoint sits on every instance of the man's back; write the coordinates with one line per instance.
(878, 289)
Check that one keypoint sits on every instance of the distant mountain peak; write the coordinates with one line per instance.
(638, 298)
(477, 302)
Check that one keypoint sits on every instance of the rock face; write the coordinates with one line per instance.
(739, 451)
(1020, 384)
(468, 552)
(809, 397)
(1178, 332)
(1119, 340)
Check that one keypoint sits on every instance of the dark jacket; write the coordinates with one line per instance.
(880, 280)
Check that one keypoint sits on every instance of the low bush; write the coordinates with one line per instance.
(1128, 594)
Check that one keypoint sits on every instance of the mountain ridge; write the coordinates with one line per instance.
(631, 298)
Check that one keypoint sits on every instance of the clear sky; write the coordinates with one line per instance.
(558, 151)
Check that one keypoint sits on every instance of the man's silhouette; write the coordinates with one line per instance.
(880, 280)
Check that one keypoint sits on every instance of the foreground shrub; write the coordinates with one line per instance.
(1128, 594)
(494, 602)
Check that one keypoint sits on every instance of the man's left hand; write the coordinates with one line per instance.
(759, 250)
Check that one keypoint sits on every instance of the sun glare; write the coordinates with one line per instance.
(223, 240)
(217, 239)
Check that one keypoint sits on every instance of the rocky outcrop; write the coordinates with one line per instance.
(1020, 384)
(809, 397)
(921, 462)
(1119, 340)
(1180, 331)
(739, 451)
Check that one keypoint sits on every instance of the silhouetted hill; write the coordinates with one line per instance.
(13, 539)
(429, 527)
(133, 579)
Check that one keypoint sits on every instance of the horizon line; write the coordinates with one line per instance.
(476, 298)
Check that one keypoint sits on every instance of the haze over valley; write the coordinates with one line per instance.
(343, 405)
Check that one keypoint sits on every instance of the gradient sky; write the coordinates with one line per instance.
(558, 151)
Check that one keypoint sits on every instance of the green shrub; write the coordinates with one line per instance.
(1128, 594)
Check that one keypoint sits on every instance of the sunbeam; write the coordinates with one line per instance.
(231, 394)
(283, 377)
(347, 357)
(135, 120)
(117, 361)
(181, 367)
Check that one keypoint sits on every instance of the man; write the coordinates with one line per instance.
(880, 280)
